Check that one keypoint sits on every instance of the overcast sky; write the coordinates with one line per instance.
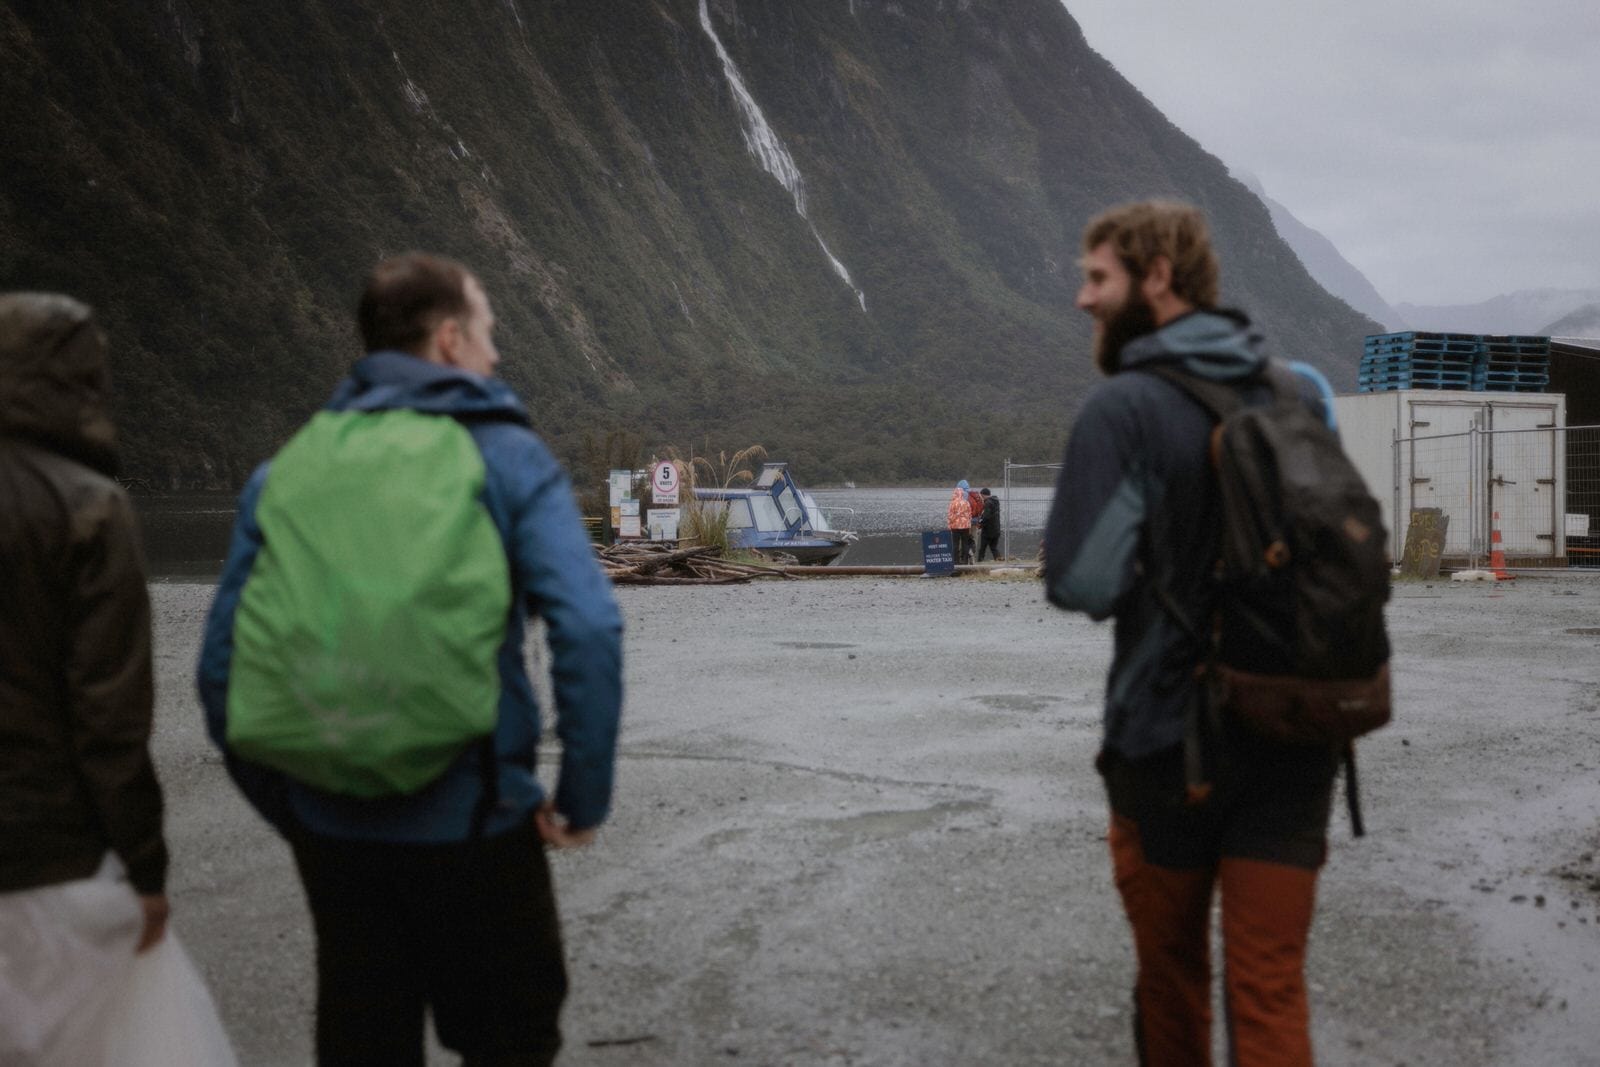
(1449, 148)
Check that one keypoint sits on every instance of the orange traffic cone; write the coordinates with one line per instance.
(1497, 553)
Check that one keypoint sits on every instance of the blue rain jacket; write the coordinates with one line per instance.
(553, 574)
(1137, 497)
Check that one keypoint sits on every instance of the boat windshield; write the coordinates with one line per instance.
(819, 521)
(768, 517)
(738, 514)
(789, 506)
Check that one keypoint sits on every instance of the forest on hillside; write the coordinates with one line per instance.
(216, 179)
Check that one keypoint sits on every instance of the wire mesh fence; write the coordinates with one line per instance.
(1581, 510)
(1025, 493)
(1533, 493)
(1538, 489)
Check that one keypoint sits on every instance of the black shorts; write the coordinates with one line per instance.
(1269, 802)
(467, 929)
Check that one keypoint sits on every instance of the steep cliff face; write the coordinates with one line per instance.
(845, 229)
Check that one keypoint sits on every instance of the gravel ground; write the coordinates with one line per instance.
(857, 823)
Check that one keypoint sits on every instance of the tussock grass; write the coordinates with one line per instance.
(705, 522)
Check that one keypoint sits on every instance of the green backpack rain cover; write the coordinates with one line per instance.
(366, 638)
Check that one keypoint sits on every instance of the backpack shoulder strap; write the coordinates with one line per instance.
(1285, 383)
(1221, 399)
(1218, 399)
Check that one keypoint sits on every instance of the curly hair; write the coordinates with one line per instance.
(1140, 232)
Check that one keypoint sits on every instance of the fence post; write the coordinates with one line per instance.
(1395, 524)
(1005, 521)
(1474, 518)
(1558, 495)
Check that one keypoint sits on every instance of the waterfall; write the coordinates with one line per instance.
(764, 143)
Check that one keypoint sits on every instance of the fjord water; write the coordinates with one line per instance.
(186, 534)
(890, 522)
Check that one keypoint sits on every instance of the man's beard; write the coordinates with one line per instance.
(1133, 320)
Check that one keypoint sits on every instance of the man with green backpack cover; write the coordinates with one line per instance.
(363, 673)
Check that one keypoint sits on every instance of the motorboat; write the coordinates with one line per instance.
(774, 515)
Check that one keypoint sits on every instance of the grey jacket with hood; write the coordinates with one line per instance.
(1136, 500)
(75, 687)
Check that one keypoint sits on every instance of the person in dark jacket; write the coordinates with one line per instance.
(415, 907)
(989, 528)
(1136, 518)
(76, 779)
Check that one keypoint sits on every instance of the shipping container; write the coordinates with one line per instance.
(1472, 455)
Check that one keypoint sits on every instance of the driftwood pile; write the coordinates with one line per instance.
(662, 563)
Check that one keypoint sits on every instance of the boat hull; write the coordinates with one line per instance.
(808, 551)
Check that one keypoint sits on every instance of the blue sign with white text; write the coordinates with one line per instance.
(938, 552)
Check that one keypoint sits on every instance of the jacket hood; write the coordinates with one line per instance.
(386, 381)
(55, 385)
(1220, 345)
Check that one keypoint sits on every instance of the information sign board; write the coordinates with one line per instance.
(621, 486)
(938, 552)
(664, 524)
(1424, 543)
(628, 524)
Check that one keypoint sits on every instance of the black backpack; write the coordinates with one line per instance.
(1297, 649)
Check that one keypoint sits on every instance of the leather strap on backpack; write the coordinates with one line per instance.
(1352, 791)
(1202, 712)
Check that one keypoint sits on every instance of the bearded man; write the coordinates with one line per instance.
(1134, 533)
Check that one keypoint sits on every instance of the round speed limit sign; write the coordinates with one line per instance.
(664, 482)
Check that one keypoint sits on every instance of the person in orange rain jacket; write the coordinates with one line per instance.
(959, 519)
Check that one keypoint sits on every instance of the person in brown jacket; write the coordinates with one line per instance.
(76, 779)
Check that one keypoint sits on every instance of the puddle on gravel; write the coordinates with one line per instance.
(875, 825)
(1017, 702)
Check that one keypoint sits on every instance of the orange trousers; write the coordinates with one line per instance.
(1266, 919)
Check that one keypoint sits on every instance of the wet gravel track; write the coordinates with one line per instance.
(857, 823)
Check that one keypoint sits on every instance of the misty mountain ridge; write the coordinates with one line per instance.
(846, 231)
(1540, 312)
(1527, 311)
(1325, 262)
(1583, 322)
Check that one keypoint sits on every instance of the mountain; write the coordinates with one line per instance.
(1583, 322)
(1325, 262)
(1527, 311)
(845, 229)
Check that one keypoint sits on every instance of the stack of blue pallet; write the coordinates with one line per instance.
(1513, 365)
(1416, 359)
